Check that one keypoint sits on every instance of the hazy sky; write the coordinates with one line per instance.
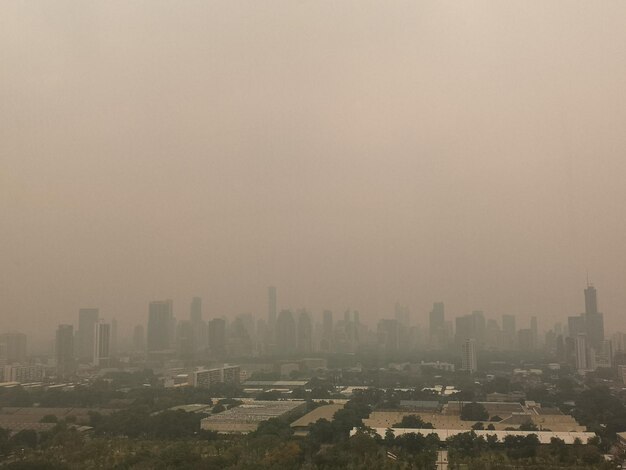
(352, 153)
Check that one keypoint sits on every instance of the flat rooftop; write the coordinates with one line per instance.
(322, 412)
(543, 436)
(246, 417)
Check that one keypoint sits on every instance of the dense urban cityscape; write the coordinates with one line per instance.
(470, 388)
(312, 235)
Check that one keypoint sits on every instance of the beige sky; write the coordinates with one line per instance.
(352, 153)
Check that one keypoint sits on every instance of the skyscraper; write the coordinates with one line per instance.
(591, 300)
(195, 311)
(534, 332)
(14, 347)
(509, 332)
(437, 326)
(271, 293)
(285, 333)
(469, 360)
(64, 350)
(594, 320)
(102, 344)
(139, 338)
(582, 364)
(160, 325)
(199, 338)
(387, 333)
(87, 319)
(217, 337)
(305, 333)
(327, 331)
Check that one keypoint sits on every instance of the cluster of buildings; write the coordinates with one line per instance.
(93, 343)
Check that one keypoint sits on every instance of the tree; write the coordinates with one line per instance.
(49, 419)
(273, 427)
(528, 426)
(25, 438)
(474, 412)
(413, 422)
(478, 426)
(218, 408)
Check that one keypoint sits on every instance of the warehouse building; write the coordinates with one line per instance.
(246, 417)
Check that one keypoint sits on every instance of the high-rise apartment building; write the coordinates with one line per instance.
(469, 360)
(509, 332)
(304, 333)
(87, 319)
(594, 320)
(160, 325)
(64, 350)
(217, 337)
(102, 344)
(387, 333)
(139, 338)
(195, 311)
(285, 333)
(437, 326)
(14, 347)
(271, 314)
(326, 344)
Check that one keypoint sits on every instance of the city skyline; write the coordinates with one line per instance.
(370, 157)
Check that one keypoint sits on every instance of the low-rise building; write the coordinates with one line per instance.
(205, 378)
(246, 418)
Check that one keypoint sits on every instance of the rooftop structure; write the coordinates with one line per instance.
(247, 417)
(543, 436)
(301, 425)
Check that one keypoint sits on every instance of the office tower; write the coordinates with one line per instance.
(402, 314)
(437, 331)
(469, 360)
(471, 326)
(304, 333)
(285, 333)
(591, 300)
(525, 339)
(479, 326)
(604, 357)
(326, 343)
(387, 333)
(185, 339)
(535, 332)
(102, 344)
(581, 351)
(160, 325)
(509, 332)
(114, 343)
(493, 337)
(271, 293)
(217, 337)
(139, 338)
(14, 347)
(261, 336)
(87, 319)
(240, 336)
(356, 319)
(618, 340)
(576, 325)
(594, 320)
(64, 350)
(199, 339)
(195, 311)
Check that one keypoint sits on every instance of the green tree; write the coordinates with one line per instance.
(413, 422)
(474, 412)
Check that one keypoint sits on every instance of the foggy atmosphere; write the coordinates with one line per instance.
(312, 234)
